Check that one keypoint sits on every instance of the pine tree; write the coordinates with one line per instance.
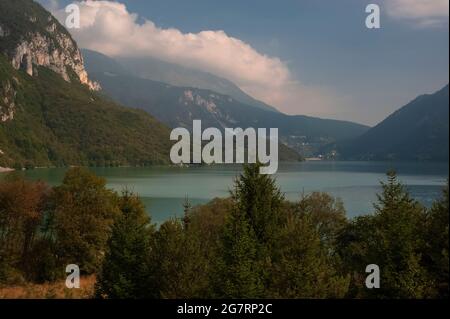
(250, 235)
(401, 221)
(258, 198)
(125, 270)
(178, 262)
(392, 238)
(239, 269)
(437, 244)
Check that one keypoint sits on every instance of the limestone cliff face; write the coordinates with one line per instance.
(41, 41)
(59, 53)
(39, 50)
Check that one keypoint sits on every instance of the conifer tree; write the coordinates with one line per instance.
(239, 269)
(393, 239)
(178, 264)
(250, 234)
(401, 221)
(258, 198)
(125, 270)
(436, 251)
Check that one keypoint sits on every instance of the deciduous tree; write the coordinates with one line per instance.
(84, 213)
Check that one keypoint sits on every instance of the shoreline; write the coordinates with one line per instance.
(306, 160)
(6, 169)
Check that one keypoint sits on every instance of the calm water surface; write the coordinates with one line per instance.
(163, 189)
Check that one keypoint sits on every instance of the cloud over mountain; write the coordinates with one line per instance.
(108, 27)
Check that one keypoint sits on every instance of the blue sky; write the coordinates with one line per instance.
(344, 70)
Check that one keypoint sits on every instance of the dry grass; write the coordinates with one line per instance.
(55, 290)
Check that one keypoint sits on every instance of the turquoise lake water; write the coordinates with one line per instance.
(163, 189)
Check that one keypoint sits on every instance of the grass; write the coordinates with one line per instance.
(54, 290)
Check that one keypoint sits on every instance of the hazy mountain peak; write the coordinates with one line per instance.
(177, 75)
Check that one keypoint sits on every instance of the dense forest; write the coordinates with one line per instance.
(61, 124)
(254, 244)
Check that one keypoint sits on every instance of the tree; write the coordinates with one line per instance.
(259, 200)
(249, 235)
(436, 250)
(22, 210)
(393, 238)
(84, 211)
(179, 264)
(208, 221)
(326, 213)
(239, 271)
(354, 246)
(125, 269)
(305, 268)
(306, 264)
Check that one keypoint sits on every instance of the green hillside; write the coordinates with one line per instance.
(60, 123)
(48, 114)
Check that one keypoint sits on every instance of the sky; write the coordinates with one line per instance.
(308, 57)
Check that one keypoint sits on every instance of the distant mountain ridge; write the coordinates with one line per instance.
(177, 75)
(135, 92)
(417, 131)
(169, 73)
(178, 106)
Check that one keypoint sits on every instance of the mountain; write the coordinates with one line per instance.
(176, 75)
(50, 111)
(417, 131)
(127, 89)
(178, 106)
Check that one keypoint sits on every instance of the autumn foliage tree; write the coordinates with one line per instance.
(22, 210)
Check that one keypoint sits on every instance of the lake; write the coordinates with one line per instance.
(163, 189)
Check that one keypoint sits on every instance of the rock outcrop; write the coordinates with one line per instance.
(40, 41)
(39, 50)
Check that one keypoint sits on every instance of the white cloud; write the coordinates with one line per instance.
(109, 28)
(422, 13)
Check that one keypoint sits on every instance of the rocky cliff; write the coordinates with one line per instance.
(39, 50)
(33, 37)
